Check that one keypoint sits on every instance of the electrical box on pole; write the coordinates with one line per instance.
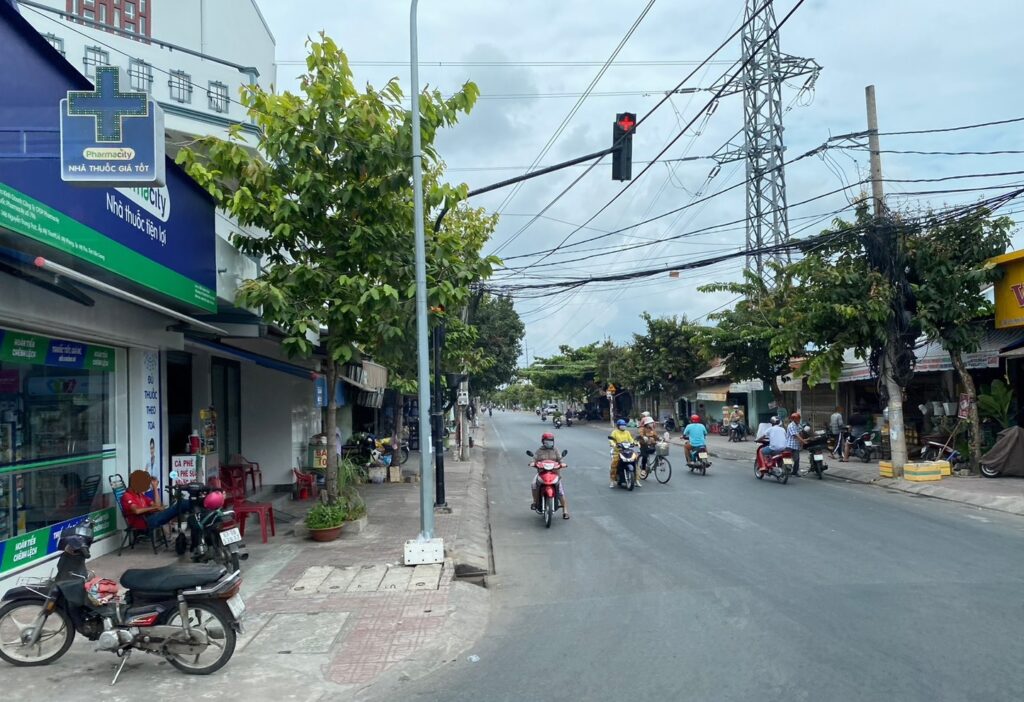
(622, 143)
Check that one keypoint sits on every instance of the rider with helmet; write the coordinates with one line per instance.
(619, 435)
(696, 436)
(776, 436)
(647, 435)
(547, 452)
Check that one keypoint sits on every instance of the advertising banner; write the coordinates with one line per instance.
(31, 349)
(25, 549)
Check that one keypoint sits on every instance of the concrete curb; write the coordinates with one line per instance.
(471, 549)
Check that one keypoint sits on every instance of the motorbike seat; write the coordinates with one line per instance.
(172, 578)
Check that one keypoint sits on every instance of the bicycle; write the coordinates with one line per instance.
(659, 466)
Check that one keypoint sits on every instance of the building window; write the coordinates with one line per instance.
(95, 56)
(129, 26)
(141, 74)
(90, 3)
(56, 42)
(142, 25)
(89, 14)
(129, 10)
(180, 85)
(142, 7)
(117, 18)
(103, 14)
(218, 95)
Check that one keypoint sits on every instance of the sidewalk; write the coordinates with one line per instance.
(323, 621)
(1001, 494)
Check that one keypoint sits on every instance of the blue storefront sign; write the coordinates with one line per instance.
(111, 136)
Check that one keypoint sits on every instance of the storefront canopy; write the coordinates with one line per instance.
(259, 360)
(714, 393)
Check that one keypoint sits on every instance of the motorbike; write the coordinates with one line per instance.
(213, 534)
(549, 499)
(697, 459)
(817, 446)
(568, 419)
(187, 614)
(779, 465)
(543, 417)
(629, 455)
(557, 421)
(863, 446)
(736, 432)
(669, 424)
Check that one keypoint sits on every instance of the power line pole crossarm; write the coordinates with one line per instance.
(897, 437)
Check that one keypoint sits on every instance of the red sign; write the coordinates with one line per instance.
(627, 122)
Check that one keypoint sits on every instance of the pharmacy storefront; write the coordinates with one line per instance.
(97, 284)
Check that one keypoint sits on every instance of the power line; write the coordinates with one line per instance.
(553, 63)
(954, 129)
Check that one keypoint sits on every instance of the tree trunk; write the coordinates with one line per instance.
(332, 423)
(777, 394)
(897, 437)
(973, 418)
(399, 426)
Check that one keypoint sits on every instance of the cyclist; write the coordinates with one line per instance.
(647, 435)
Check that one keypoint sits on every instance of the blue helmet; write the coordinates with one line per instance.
(620, 423)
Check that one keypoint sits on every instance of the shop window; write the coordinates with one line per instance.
(225, 376)
(57, 429)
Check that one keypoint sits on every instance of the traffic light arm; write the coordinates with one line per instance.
(527, 176)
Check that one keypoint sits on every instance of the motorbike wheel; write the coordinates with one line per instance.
(818, 470)
(54, 641)
(782, 477)
(180, 543)
(403, 456)
(549, 511)
(663, 470)
(865, 455)
(212, 618)
(703, 468)
(990, 472)
(758, 474)
(630, 479)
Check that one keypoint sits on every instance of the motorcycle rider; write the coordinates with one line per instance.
(737, 416)
(619, 435)
(695, 435)
(647, 435)
(547, 452)
(776, 439)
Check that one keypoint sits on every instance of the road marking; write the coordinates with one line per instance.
(977, 518)
(736, 520)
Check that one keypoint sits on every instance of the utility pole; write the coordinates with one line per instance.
(897, 438)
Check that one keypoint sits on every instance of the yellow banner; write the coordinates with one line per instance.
(1009, 291)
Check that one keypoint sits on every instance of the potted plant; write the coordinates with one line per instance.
(325, 521)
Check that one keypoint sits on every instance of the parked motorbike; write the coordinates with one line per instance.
(817, 446)
(629, 454)
(213, 534)
(863, 446)
(669, 424)
(779, 465)
(187, 614)
(697, 459)
(736, 432)
(549, 499)
(557, 421)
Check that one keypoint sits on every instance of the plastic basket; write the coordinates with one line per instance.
(661, 448)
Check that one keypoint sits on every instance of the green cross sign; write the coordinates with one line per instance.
(107, 105)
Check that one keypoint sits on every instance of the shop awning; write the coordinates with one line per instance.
(259, 360)
(712, 372)
(714, 393)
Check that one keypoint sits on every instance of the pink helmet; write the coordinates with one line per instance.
(214, 500)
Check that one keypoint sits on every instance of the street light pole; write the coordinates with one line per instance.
(422, 358)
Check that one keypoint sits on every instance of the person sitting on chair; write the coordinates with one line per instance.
(143, 512)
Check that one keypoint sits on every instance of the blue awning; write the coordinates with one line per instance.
(271, 363)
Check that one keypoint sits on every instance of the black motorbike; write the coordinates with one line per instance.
(568, 419)
(187, 614)
(629, 454)
(557, 421)
(669, 424)
(213, 534)
(863, 446)
(737, 432)
(816, 443)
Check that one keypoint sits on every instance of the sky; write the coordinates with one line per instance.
(935, 64)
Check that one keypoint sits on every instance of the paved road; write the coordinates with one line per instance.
(728, 588)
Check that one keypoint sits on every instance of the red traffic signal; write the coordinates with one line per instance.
(622, 145)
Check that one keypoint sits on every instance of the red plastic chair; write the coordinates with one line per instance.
(243, 508)
(305, 485)
(251, 468)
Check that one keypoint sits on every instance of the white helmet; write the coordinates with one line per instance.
(646, 420)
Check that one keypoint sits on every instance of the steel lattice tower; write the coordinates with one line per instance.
(765, 70)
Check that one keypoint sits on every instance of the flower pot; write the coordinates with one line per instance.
(326, 534)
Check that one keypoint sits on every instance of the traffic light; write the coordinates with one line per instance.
(622, 142)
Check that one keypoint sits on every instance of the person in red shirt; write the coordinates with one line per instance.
(142, 511)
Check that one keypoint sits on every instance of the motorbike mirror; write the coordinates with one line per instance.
(173, 475)
(530, 454)
(564, 453)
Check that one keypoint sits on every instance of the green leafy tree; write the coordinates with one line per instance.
(499, 339)
(950, 271)
(747, 337)
(329, 181)
(666, 356)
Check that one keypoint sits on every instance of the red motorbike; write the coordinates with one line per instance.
(779, 465)
(549, 501)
